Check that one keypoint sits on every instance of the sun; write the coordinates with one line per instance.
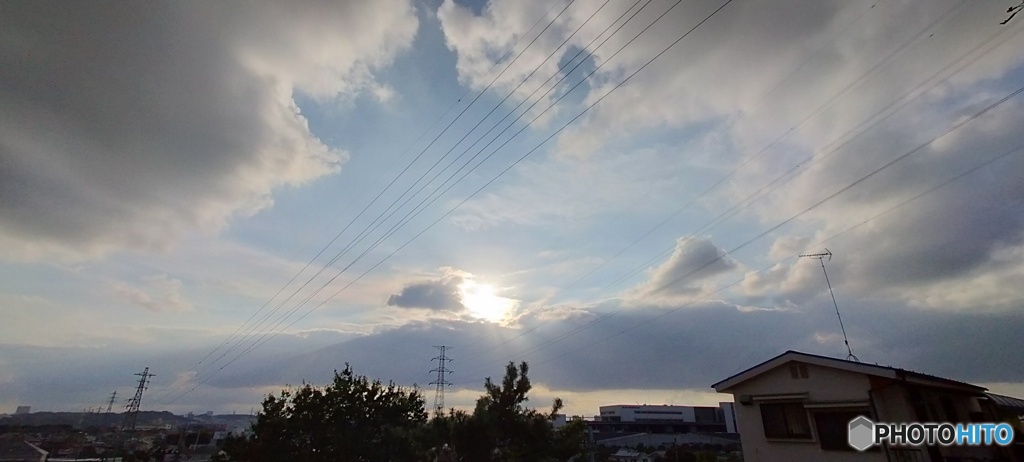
(483, 302)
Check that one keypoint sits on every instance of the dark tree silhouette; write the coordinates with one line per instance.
(355, 419)
(352, 419)
(502, 428)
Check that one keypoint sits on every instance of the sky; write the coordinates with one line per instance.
(249, 196)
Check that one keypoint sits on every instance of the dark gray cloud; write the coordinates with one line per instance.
(69, 379)
(644, 349)
(950, 249)
(127, 125)
(687, 349)
(441, 294)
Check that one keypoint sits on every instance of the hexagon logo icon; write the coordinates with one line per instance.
(861, 433)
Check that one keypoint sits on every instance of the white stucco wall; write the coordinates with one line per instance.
(822, 385)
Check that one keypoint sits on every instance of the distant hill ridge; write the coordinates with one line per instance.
(145, 419)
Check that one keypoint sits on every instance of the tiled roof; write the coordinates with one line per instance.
(1007, 402)
(868, 369)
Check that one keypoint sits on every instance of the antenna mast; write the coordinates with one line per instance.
(821, 259)
(441, 381)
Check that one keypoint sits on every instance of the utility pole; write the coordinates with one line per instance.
(821, 259)
(442, 379)
(133, 404)
(110, 405)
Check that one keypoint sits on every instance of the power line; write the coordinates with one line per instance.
(516, 162)
(417, 235)
(371, 227)
(1017, 150)
(814, 206)
(390, 184)
(1014, 151)
(777, 182)
(418, 156)
(264, 338)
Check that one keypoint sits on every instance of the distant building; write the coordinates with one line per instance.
(729, 414)
(22, 410)
(662, 412)
(559, 420)
(797, 406)
(628, 425)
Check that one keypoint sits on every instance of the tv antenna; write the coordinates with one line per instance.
(821, 258)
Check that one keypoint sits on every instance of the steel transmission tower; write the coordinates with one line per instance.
(442, 379)
(133, 404)
(110, 405)
(821, 258)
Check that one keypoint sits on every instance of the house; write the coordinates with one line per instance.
(797, 406)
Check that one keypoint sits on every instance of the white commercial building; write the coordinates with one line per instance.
(646, 413)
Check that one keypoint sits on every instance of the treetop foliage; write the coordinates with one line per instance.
(356, 419)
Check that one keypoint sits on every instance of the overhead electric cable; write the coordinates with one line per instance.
(392, 182)
(814, 206)
(259, 342)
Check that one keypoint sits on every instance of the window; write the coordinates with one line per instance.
(832, 427)
(785, 421)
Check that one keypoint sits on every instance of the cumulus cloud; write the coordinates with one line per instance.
(128, 126)
(687, 273)
(479, 40)
(438, 295)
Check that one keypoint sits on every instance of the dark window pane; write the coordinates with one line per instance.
(785, 420)
(832, 428)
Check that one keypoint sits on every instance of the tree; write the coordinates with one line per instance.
(678, 454)
(352, 419)
(502, 428)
